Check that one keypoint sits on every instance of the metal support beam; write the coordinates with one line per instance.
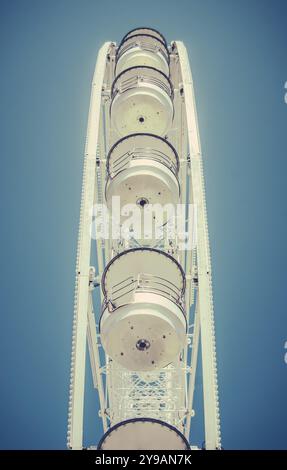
(95, 361)
(211, 414)
(77, 384)
(193, 366)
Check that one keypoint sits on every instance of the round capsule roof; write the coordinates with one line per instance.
(143, 433)
(145, 30)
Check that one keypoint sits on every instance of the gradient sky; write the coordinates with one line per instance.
(238, 56)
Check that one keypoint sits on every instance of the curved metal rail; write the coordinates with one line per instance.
(142, 74)
(142, 283)
(144, 41)
(123, 161)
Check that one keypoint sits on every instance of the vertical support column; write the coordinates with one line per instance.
(205, 303)
(193, 364)
(95, 361)
(78, 360)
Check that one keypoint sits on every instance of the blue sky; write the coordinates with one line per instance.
(238, 56)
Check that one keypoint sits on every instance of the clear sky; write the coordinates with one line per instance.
(238, 55)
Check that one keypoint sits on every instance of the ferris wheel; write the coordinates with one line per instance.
(143, 302)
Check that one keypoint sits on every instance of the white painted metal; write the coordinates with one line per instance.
(143, 325)
(142, 182)
(164, 394)
(137, 56)
(143, 170)
(143, 434)
(95, 361)
(192, 374)
(157, 394)
(139, 50)
(78, 360)
(141, 102)
(153, 263)
(205, 298)
(145, 30)
(145, 334)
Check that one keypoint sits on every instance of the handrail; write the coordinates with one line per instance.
(143, 282)
(123, 161)
(145, 41)
(143, 73)
(132, 82)
(139, 30)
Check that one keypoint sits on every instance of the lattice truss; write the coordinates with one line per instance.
(165, 394)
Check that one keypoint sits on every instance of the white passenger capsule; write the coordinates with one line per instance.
(143, 324)
(142, 169)
(142, 101)
(143, 47)
(143, 433)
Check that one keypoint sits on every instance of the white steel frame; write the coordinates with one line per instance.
(123, 394)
